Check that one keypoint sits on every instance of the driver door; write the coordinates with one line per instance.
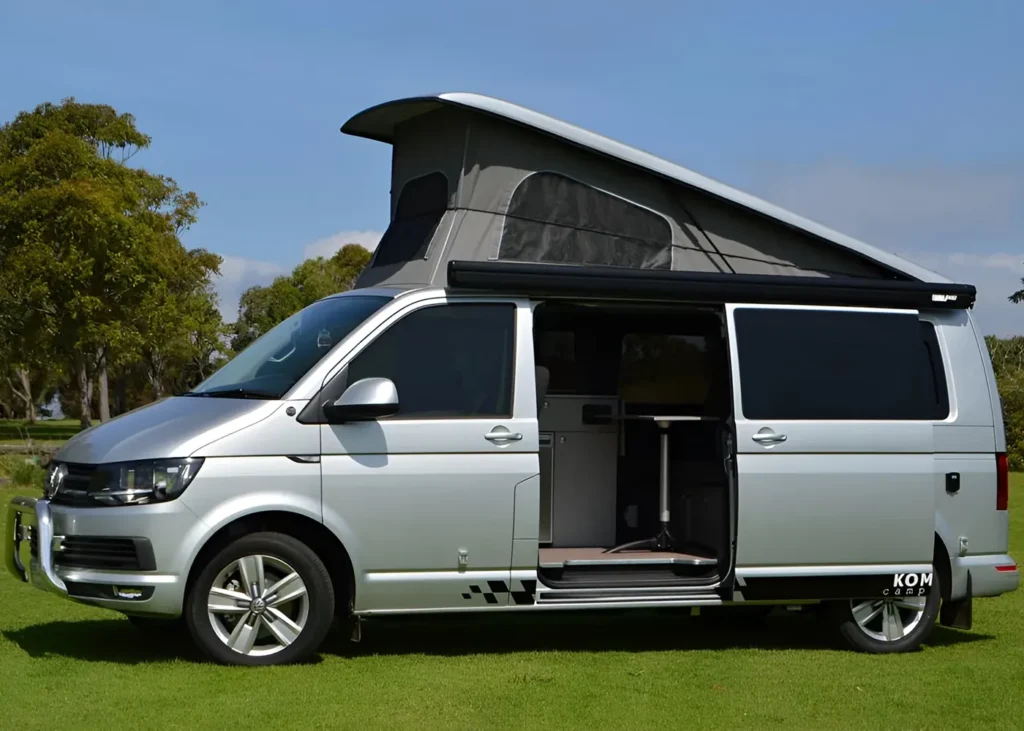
(427, 495)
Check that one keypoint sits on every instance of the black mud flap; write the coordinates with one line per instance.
(958, 614)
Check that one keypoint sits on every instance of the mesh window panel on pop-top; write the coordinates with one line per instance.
(552, 218)
(421, 205)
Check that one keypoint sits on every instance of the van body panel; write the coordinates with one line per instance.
(832, 509)
(990, 382)
(230, 488)
(277, 434)
(954, 439)
(970, 511)
(527, 510)
(833, 493)
(965, 369)
(441, 504)
(437, 484)
(437, 518)
(172, 427)
(965, 446)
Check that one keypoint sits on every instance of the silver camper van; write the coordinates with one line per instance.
(574, 376)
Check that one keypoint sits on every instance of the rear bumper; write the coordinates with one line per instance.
(989, 574)
(33, 536)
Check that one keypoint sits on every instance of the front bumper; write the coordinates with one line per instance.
(34, 533)
(29, 522)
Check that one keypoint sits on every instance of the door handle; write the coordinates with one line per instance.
(502, 436)
(769, 438)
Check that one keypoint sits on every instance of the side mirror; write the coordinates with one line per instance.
(365, 400)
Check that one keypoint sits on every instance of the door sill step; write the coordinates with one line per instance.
(549, 598)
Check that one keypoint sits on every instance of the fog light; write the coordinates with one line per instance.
(127, 593)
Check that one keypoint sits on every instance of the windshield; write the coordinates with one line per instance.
(275, 362)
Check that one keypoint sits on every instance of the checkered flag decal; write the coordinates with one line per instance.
(496, 592)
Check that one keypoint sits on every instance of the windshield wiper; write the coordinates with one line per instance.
(234, 393)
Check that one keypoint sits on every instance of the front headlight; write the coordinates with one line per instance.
(139, 483)
(55, 475)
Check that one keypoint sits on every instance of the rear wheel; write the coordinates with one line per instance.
(265, 599)
(896, 624)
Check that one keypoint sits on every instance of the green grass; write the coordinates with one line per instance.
(16, 431)
(66, 665)
(22, 470)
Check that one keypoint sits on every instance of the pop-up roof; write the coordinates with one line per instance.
(479, 179)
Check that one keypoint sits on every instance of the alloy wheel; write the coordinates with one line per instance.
(888, 620)
(258, 605)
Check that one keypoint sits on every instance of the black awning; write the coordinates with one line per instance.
(596, 282)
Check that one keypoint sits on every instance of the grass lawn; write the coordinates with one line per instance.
(66, 665)
(15, 431)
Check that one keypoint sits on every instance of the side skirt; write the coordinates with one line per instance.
(883, 582)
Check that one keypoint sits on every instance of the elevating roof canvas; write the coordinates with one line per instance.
(479, 179)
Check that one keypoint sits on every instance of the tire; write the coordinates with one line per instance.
(288, 619)
(865, 638)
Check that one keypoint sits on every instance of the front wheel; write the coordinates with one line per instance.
(896, 624)
(265, 599)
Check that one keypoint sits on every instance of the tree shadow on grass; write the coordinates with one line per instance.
(116, 640)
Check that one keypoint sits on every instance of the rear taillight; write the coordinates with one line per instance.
(1002, 482)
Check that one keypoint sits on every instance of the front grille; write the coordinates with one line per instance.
(74, 490)
(93, 552)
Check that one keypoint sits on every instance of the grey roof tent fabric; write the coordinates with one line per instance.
(476, 178)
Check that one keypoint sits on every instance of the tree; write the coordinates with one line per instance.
(1018, 296)
(260, 308)
(1008, 363)
(182, 336)
(89, 247)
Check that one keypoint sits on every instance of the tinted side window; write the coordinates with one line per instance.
(419, 210)
(829, 365)
(936, 376)
(446, 361)
(552, 218)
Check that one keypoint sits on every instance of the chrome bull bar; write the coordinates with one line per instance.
(29, 521)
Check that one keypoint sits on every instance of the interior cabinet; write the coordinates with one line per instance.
(578, 464)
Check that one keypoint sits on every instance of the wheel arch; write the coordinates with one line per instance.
(314, 534)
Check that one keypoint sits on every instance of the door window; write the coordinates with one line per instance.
(838, 365)
(449, 361)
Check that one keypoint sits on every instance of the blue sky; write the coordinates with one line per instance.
(901, 123)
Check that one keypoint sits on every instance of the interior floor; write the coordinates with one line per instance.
(603, 374)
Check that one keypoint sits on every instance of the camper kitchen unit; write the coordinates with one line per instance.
(574, 376)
